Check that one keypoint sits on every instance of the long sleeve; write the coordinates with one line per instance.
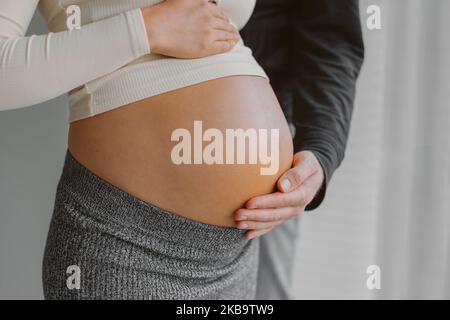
(38, 68)
(312, 51)
(327, 55)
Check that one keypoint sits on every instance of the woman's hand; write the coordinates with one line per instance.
(298, 187)
(189, 29)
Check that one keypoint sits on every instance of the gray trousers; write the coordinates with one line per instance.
(276, 262)
(104, 243)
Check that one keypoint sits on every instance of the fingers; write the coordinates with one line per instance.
(225, 26)
(267, 215)
(257, 225)
(220, 35)
(278, 199)
(218, 12)
(225, 37)
(223, 46)
(257, 233)
(262, 221)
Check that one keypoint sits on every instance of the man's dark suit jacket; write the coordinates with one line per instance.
(312, 51)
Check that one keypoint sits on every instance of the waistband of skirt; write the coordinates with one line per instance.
(100, 198)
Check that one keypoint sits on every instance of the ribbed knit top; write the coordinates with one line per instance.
(106, 63)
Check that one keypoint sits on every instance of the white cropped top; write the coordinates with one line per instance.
(107, 62)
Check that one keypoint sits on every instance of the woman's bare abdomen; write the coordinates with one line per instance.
(172, 150)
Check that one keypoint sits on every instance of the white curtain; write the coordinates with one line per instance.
(389, 203)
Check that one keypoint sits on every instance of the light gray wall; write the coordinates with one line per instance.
(32, 145)
(389, 203)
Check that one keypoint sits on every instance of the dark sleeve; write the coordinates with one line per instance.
(327, 54)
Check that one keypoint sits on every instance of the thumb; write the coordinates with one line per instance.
(293, 178)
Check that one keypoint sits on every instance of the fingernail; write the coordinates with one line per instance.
(285, 184)
(243, 226)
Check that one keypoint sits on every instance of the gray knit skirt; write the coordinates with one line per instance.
(104, 243)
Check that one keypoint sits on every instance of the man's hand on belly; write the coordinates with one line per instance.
(297, 188)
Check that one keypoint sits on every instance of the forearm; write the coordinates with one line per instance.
(326, 60)
(37, 68)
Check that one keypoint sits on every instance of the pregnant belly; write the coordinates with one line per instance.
(200, 152)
